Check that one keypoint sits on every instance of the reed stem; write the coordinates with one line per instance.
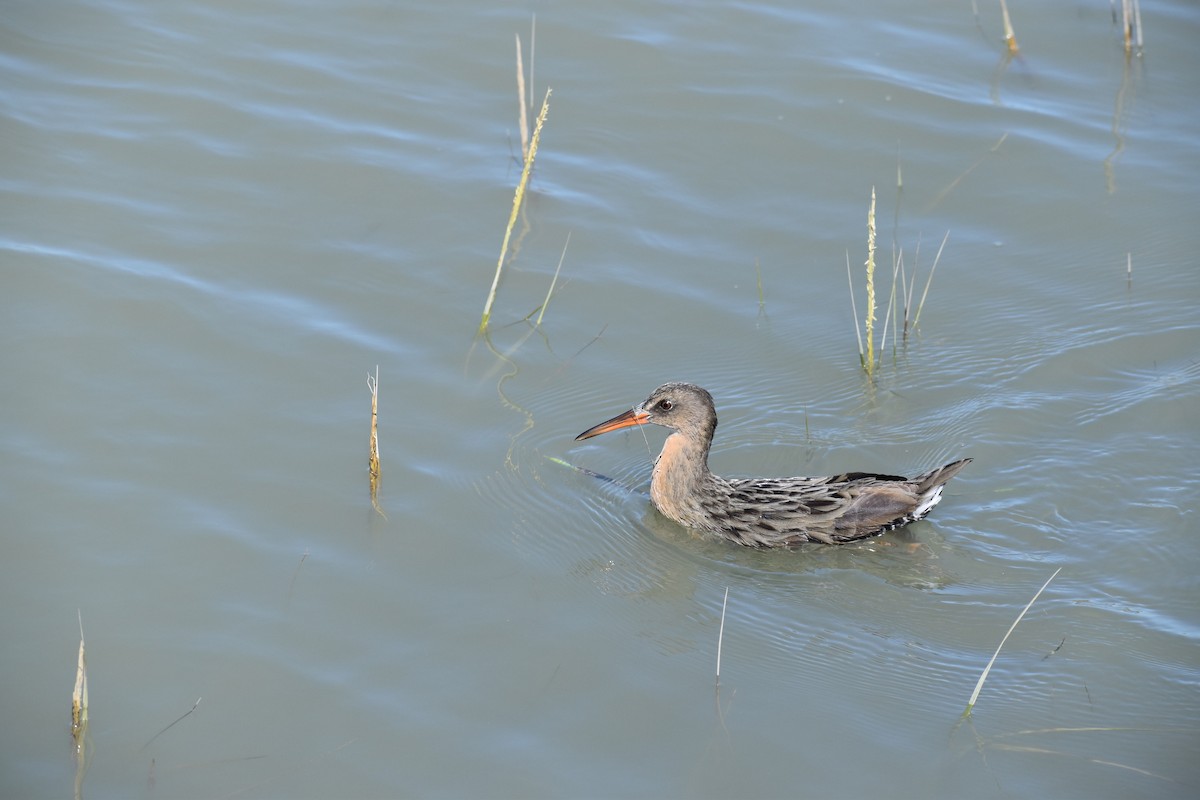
(373, 456)
(870, 316)
(518, 200)
(1010, 38)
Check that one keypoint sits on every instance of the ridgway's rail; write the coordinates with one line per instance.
(767, 512)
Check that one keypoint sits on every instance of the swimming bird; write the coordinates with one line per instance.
(766, 512)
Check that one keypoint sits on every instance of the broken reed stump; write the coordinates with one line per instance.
(373, 457)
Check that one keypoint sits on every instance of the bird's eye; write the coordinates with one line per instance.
(665, 405)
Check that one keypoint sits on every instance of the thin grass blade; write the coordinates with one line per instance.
(854, 313)
(988, 668)
(553, 281)
(929, 280)
(721, 633)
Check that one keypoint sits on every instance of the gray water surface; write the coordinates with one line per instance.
(215, 219)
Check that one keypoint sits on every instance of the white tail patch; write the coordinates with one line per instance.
(931, 499)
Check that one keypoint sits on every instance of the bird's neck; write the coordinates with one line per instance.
(680, 471)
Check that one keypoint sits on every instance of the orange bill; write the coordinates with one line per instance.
(634, 416)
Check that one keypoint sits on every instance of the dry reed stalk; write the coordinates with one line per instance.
(988, 668)
(721, 634)
(373, 457)
(1131, 25)
(1010, 38)
(522, 114)
(79, 716)
(1137, 21)
(518, 200)
(79, 697)
(870, 315)
(525, 98)
(532, 55)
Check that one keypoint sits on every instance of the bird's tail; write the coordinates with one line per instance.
(929, 485)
